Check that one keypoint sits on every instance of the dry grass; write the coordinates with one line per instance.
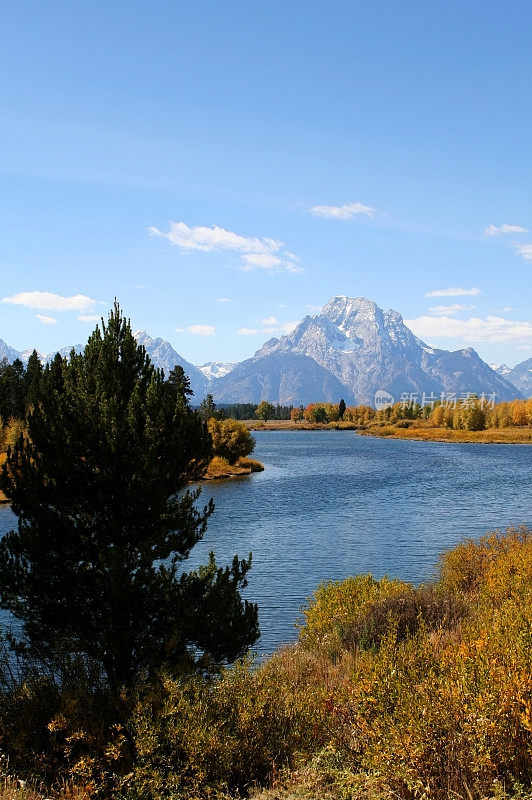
(303, 425)
(15, 789)
(417, 431)
(512, 435)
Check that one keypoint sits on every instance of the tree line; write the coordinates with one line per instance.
(208, 409)
(471, 413)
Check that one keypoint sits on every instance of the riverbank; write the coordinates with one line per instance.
(428, 434)
(303, 425)
(418, 431)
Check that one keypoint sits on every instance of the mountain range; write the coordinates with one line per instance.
(520, 376)
(351, 349)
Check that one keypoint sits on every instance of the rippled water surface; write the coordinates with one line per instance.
(331, 504)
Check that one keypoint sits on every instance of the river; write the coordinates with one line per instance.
(332, 503)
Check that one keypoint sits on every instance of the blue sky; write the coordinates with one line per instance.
(224, 168)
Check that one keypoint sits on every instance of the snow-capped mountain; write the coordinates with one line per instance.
(8, 353)
(366, 349)
(520, 376)
(350, 350)
(216, 369)
(165, 357)
(25, 354)
(64, 353)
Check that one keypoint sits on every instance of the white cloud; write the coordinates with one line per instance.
(288, 327)
(202, 238)
(223, 300)
(286, 262)
(255, 253)
(89, 318)
(270, 325)
(524, 250)
(493, 230)
(198, 330)
(48, 301)
(474, 329)
(440, 311)
(455, 292)
(347, 211)
(46, 320)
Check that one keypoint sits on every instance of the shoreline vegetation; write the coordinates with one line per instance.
(392, 691)
(468, 419)
(425, 433)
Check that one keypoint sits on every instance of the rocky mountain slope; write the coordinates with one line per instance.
(8, 352)
(165, 357)
(285, 378)
(520, 376)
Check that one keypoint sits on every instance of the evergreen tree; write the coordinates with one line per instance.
(341, 408)
(99, 484)
(207, 408)
(32, 378)
(12, 390)
(181, 381)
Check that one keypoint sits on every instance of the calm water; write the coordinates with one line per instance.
(331, 504)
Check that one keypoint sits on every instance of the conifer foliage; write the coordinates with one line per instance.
(99, 484)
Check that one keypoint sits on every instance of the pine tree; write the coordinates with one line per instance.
(12, 390)
(341, 408)
(99, 484)
(207, 408)
(32, 378)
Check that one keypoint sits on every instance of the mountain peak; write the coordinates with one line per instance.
(345, 306)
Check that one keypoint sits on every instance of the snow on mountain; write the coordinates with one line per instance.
(64, 352)
(166, 358)
(501, 369)
(520, 376)
(351, 349)
(366, 349)
(285, 378)
(8, 353)
(216, 369)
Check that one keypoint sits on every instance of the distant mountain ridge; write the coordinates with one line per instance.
(520, 376)
(351, 349)
(366, 349)
(165, 357)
